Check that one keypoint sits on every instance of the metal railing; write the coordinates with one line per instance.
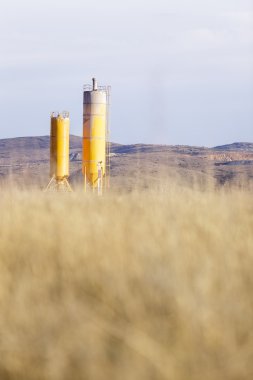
(89, 87)
(63, 114)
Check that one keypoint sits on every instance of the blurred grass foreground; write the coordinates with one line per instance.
(149, 285)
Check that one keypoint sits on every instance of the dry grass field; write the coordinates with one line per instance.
(138, 286)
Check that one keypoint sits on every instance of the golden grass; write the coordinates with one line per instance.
(151, 285)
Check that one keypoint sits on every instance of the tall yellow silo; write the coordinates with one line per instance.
(95, 136)
(59, 151)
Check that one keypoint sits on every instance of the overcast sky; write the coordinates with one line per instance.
(181, 71)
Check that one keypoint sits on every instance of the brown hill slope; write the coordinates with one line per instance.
(25, 161)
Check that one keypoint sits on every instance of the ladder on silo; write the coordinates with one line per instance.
(108, 143)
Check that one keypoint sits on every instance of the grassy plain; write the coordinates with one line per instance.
(139, 286)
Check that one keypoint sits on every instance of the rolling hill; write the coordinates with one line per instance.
(25, 162)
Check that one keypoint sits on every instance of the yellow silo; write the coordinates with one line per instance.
(95, 133)
(59, 151)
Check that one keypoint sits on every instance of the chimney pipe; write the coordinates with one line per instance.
(95, 84)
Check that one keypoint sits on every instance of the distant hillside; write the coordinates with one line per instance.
(37, 142)
(42, 142)
(237, 146)
(25, 161)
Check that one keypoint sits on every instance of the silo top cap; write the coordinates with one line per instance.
(63, 114)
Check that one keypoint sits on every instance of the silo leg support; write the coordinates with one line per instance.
(50, 183)
(58, 185)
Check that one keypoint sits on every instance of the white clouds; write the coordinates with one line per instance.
(241, 18)
(189, 43)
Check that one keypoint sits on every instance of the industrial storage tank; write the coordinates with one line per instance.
(95, 135)
(59, 151)
(59, 145)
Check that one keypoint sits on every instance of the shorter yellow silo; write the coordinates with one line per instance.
(59, 151)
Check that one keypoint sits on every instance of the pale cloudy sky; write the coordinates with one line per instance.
(181, 71)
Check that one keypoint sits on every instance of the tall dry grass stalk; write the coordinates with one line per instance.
(151, 285)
